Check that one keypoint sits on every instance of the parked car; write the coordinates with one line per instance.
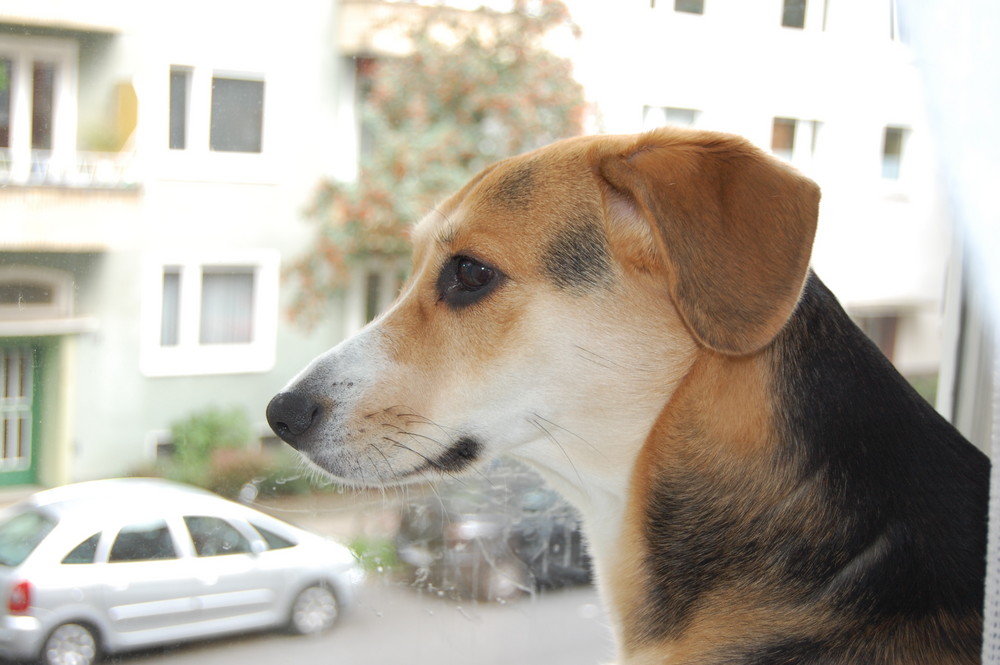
(111, 565)
(492, 537)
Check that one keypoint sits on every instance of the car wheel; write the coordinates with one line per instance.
(314, 611)
(70, 644)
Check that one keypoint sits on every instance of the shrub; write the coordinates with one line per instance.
(198, 437)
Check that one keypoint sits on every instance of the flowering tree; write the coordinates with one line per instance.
(474, 88)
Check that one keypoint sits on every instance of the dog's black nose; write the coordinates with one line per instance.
(290, 415)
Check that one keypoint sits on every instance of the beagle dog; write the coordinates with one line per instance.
(635, 317)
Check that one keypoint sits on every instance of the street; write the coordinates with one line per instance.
(389, 624)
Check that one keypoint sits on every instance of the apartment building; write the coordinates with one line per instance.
(155, 159)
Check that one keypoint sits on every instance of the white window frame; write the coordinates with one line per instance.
(23, 52)
(196, 160)
(188, 357)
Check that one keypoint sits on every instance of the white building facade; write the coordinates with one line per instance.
(155, 161)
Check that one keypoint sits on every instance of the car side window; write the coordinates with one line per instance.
(213, 536)
(273, 540)
(148, 541)
(84, 552)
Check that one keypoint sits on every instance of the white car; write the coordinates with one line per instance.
(110, 565)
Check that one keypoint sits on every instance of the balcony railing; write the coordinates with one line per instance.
(43, 168)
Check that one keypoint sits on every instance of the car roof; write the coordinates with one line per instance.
(126, 496)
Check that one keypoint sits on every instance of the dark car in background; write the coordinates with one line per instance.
(492, 537)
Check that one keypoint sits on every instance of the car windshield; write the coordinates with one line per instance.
(21, 533)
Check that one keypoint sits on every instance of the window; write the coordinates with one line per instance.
(794, 140)
(17, 373)
(211, 314)
(84, 552)
(143, 542)
(893, 144)
(213, 536)
(793, 14)
(6, 66)
(20, 534)
(658, 116)
(170, 312)
(273, 540)
(37, 109)
(373, 289)
(180, 93)
(227, 299)
(43, 81)
(34, 292)
(237, 115)
(214, 112)
(690, 6)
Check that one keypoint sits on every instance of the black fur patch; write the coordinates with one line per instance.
(458, 456)
(900, 531)
(577, 258)
(787, 651)
(514, 189)
(895, 469)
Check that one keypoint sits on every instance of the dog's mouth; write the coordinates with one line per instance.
(461, 455)
(381, 470)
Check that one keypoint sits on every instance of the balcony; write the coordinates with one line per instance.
(74, 201)
(44, 168)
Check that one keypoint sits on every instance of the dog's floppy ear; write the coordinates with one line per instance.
(733, 226)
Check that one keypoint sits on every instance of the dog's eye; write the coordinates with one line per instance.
(473, 275)
(464, 281)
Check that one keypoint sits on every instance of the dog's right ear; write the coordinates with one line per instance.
(732, 227)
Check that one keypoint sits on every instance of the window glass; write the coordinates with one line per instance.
(171, 310)
(25, 294)
(690, 6)
(213, 536)
(227, 297)
(143, 542)
(5, 71)
(85, 551)
(42, 105)
(21, 534)
(180, 82)
(783, 137)
(237, 115)
(16, 400)
(178, 291)
(273, 540)
(892, 152)
(793, 14)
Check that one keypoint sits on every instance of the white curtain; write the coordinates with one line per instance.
(227, 307)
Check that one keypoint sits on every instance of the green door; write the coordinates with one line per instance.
(18, 410)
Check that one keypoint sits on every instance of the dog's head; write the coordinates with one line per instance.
(555, 303)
